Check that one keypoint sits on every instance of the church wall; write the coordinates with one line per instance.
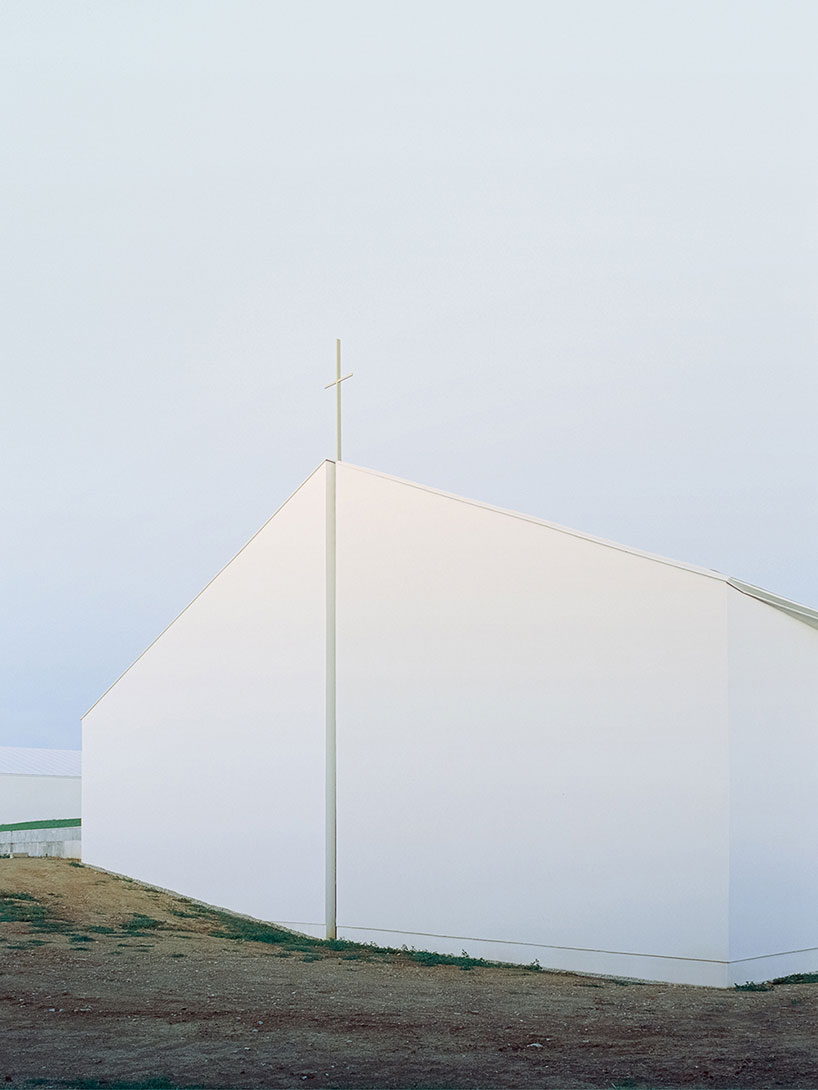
(532, 741)
(773, 792)
(219, 726)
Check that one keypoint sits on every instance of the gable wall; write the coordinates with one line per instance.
(204, 764)
(532, 741)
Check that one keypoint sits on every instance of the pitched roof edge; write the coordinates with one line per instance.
(784, 605)
(224, 567)
(708, 572)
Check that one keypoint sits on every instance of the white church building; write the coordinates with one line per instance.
(405, 717)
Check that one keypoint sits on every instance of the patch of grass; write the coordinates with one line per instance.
(241, 930)
(339, 944)
(23, 908)
(76, 938)
(431, 957)
(10, 898)
(178, 955)
(74, 863)
(753, 986)
(311, 957)
(138, 924)
(100, 929)
(797, 978)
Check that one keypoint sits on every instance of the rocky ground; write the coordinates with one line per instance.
(107, 983)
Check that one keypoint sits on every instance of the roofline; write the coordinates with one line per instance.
(708, 572)
(785, 605)
(792, 609)
(204, 588)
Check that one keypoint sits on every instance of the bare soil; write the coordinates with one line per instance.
(108, 983)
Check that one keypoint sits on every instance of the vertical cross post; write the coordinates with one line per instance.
(337, 385)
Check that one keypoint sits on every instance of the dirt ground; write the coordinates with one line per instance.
(106, 983)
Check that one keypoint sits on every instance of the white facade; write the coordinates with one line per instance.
(39, 784)
(475, 730)
(215, 736)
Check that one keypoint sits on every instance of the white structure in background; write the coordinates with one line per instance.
(548, 746)
(39, 786)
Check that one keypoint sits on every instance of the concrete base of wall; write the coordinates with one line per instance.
(52, 843)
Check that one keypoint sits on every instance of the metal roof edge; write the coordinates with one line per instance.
(693, 568)
(224, 567)
(40, 761)
(792, 609)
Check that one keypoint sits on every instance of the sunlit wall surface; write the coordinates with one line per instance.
(549, 747)
(204, 764)
(532, 740)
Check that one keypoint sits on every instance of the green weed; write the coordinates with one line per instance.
(23, 908)
(138, 924)
(797, 978)
(250, 931)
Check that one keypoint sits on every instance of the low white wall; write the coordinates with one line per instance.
(532, 740)
(220, 726)
(773, 792)
(39, 798)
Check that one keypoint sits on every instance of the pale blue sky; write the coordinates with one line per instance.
(571, 249)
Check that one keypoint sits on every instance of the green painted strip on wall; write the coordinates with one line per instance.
(55, 823)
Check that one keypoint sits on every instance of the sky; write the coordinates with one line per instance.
(570, 248)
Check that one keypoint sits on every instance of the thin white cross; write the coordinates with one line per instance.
(337, 385)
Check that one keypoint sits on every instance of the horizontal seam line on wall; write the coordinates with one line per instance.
(779, 954)
(297, 923)
(44, 775)
(536, 945)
